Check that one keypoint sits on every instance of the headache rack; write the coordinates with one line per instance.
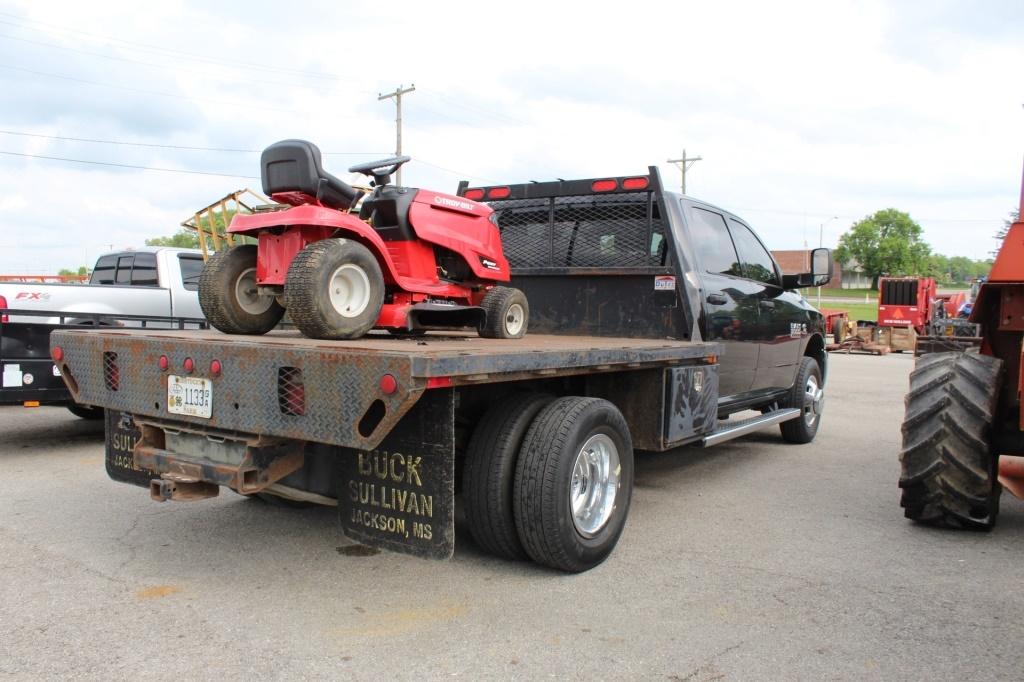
(601, 224)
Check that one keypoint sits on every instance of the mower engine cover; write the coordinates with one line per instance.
(463, 226)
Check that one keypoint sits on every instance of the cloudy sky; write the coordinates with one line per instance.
(801, 110)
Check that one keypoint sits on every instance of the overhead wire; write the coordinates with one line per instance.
(128, 165)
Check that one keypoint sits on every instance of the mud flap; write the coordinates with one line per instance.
(122, 434)
(401, 495)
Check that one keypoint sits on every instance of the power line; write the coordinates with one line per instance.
(168, 146)
(155, 93)
(126, 165)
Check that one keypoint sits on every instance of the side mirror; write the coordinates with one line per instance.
(820, 274)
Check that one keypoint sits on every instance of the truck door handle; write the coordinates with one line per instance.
(717, 299)
(767, 304)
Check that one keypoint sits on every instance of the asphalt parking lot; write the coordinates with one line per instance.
(751, 560)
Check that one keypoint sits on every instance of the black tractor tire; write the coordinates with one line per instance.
(86, 412)
(488, 477)
(334, 290)
(227, 293)
(948, 472)
(547, 476)
(507, 314)
(839, 331)
(808, 395)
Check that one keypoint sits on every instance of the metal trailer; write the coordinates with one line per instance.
(632, 345)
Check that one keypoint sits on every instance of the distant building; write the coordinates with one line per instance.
(796, 261)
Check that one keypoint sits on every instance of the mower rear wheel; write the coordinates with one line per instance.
(507, 314)
(229, 295)
(948, 472)
(334, 290)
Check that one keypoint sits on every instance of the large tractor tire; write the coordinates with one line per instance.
(948, 471)
(488, 477)
(574, 481)
(229, 296)
(334, 290)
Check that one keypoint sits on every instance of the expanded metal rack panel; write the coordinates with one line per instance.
(592, 231)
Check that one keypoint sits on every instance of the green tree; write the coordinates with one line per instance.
(82, 270)
(1001, 234)
(183, 238)
(888, 242)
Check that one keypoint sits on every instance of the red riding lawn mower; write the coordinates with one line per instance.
(411, 260)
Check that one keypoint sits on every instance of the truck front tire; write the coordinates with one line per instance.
(574, 481)
(489, 474)
(948, 472)
(807, 395)
(334, 290)
(229, 296)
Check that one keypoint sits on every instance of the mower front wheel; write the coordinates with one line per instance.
(507, 314)
(334, 290)
(229, 294)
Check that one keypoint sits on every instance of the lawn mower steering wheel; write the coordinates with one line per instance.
(380, 171)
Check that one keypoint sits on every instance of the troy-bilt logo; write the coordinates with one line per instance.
(453, 203)
(32, 296)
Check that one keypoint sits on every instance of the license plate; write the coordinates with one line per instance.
(191, 396)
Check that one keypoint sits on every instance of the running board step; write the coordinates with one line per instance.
(729, 430)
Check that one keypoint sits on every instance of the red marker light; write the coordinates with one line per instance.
(3, 306)
(635, 183)
(499, 193)
(58, 353)
(388, 384)
(164, 363)
(474, 194)
(215, 368)
(189, 365)
(604, 185)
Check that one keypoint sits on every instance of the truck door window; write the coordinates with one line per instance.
(124, 269)
(144, 270)
(757, 263)
(711, 238)
(104, 271)
(191, 267)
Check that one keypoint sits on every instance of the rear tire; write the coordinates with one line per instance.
(334, 290)
(574, 481)
(808, 395)
(839, 331)
(86, 412)
(948, 472)
(488, 477)
(228, 293)
(507, 314)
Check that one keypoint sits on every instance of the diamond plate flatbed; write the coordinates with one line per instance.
(341, 380)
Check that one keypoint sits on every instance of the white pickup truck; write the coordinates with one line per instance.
(148, 287)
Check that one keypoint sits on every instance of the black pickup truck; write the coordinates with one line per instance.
(653, 318)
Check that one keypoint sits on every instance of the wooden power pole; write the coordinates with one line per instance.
(684, 165)
(397, 94)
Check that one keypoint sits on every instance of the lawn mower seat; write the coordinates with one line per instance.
(295, 166)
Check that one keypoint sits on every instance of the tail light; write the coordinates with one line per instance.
(291, 391)
(474, 194)
(499, 193)
(3, 306)
(635, 183)
(604, 185)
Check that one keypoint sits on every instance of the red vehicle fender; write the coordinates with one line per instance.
(318, 216)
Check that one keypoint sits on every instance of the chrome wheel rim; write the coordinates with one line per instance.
(247, 293)
(814, 400)
(515, 317)
(350, 290)
(594, 485)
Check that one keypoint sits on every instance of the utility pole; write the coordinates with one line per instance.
(397, 94)
(684, 165)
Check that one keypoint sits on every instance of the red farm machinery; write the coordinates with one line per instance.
(963, 431)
